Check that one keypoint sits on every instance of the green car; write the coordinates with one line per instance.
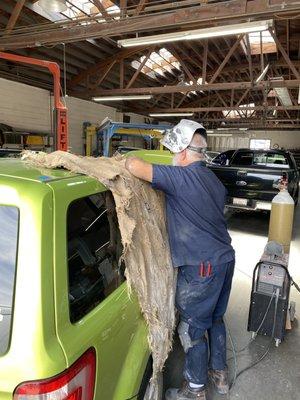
(68, 329)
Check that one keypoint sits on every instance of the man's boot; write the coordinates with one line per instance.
(220, 380)
(186, 393)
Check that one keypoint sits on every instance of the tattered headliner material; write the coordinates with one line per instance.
(141, 216)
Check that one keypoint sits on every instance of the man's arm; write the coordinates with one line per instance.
(139, 168)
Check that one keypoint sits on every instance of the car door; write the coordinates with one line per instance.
(93, 307)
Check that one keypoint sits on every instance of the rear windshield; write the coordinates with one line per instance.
(9, 221)
(267, 160)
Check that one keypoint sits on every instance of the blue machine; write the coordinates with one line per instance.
(147, 131)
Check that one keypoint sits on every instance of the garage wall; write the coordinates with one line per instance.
(29, 108)
(24, 107)
(286, 139)
(84, 111)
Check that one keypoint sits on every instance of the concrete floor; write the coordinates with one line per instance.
(277, 377)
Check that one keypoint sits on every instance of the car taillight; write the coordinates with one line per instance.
(76, 383)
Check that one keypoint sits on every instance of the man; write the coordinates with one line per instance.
(200, 248)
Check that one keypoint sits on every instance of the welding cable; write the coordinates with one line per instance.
(133, 397)
(233, 349)
(263, 356)
(293, 283)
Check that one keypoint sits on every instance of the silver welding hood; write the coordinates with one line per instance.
(180, 136)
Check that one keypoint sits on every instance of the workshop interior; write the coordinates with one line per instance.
(109, 80)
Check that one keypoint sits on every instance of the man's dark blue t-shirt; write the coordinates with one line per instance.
(195, 200)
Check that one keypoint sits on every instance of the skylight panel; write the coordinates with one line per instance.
(268, 43)
(158, 63)
(80, 8)
(239, 113)
(199, 82)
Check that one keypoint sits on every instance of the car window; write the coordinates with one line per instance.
(9, 217)
(94, 249)
(223, 158)
(243, 158)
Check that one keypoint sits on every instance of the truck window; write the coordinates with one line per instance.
(223, 158)
(9, 217)
(94, 249)
(243, 158)
(270, 160)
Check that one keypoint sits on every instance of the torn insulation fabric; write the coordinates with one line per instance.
(146, 253)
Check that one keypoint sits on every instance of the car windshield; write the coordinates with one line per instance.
(9, 217)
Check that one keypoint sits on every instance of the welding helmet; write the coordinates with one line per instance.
(180, 136)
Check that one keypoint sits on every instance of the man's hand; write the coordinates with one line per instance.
(139, 168)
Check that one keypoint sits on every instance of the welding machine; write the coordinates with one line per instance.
(270, 298)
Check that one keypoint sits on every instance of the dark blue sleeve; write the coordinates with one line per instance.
(165, 178)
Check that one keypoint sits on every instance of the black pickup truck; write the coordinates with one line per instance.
(252, 176)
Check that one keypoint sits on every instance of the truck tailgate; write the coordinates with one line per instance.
(250, 183)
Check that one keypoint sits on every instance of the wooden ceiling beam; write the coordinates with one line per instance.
(220, 109)
(14, 16)
(284, 54)
(183, 65)
(204, 64)
(224, 62)
(123, 8)
(294, 83)
(103, 75)
(249, 56)
(102, 9)
(234, 10)
(98, 67)
(139, 70)
(140, 7)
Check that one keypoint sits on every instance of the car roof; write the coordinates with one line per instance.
(16, 168)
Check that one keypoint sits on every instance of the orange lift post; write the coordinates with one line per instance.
(61, 112)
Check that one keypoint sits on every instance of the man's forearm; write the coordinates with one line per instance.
(139, 168)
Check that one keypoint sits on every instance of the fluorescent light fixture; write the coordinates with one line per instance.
(226, 30)
(171, 114)
(284, 96)
(263, 74)
(220, 134)
(282, 93)
(121, 98)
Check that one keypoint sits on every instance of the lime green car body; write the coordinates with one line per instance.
(43, 341)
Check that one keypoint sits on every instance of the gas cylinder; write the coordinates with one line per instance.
(281, 218)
